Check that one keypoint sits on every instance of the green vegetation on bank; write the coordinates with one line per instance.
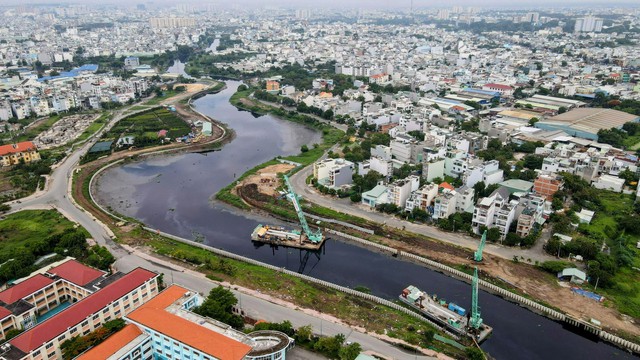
(607, 243)
(145, 129)
(330, 136)
(352, 310)
(27, 235)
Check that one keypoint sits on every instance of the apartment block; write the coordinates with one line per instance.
(166, 328)
(112, 297)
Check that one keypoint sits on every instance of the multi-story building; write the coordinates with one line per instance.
(493, 210)
(170, 22)
(381, 165)
(423, 198)
(588, 24)
(465, 199)
(489, 172)
(24, 151)
(333, 173)
(546, 185)
(400, 190)
(5, 110)
(39, 106)
(21, 109)
(445, 204)
(166, 328)
(109, 298)
(529, 214)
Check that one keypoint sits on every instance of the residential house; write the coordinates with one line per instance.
(24, 151)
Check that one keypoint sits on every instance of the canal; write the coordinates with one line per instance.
(174, 194)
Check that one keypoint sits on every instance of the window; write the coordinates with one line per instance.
(60, 338)
(74, 330)
(85, 323)
(49, 345)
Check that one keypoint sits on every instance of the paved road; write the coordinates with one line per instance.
(57, 195)
(344, 205)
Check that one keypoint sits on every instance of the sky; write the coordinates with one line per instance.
(356, 3)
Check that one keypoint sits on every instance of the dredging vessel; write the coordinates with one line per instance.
(451, 316)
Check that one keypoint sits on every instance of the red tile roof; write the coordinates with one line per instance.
(113, 343)
(446, 185)
(76, 272)
(4, 312)
(16, 148)
(27, 287)
(153, 315)
(78, 312)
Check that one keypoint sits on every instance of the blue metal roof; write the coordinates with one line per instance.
(73, 73)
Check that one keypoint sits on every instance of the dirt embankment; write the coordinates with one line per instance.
(525, 277)
(266, 179)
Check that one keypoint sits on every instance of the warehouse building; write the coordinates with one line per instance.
(586, 122)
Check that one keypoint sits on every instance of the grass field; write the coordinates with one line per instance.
(25, 228)
(353, 310)
(165, 95)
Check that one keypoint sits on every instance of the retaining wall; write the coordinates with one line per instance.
(330, 285)
(551, 313)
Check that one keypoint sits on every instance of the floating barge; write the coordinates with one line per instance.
(277, 235)
(451, 316)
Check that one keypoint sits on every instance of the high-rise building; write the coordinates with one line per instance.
(588, 24)
(168, 22)
(443, 14)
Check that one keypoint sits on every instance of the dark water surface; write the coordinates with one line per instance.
(172, 193)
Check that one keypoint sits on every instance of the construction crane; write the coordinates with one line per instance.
(314, 237)
(476, 321)
(477, 255)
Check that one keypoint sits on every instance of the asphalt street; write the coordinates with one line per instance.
(57, 195)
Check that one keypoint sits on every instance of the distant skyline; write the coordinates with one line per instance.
(370, 4)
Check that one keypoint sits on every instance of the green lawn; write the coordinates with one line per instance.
(158, 99)
(376, 318)
(632, 142)
(93, 127)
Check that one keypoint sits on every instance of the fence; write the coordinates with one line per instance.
(551, 313)
(330, 285)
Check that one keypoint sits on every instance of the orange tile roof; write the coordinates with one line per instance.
(153, 315)
(446, 185)
(16, 148)
(112, 344)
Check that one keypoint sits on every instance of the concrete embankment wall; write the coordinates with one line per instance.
(521, 300)
(330, 285)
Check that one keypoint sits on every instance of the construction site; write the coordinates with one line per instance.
(448, 314)
(306, 238)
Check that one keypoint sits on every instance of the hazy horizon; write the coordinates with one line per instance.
(370, 4)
